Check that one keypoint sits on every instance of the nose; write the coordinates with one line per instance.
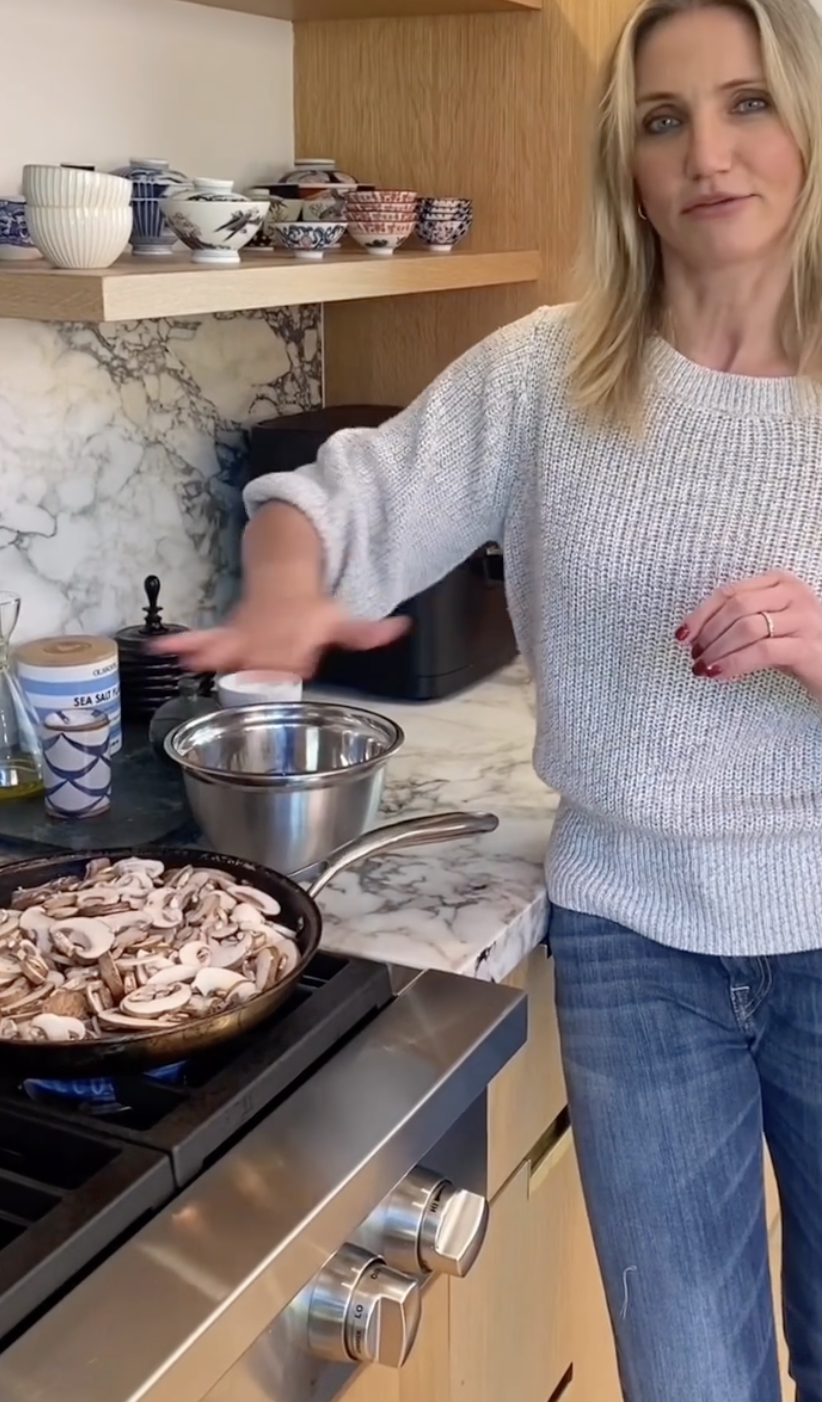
(709, 150)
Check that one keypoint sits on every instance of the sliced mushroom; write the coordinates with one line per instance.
(35, 921)
(195, 952)
(213, 980)
(242, 992)
(263, 967)
(110, 975)
(24, 999)
(248, 895)
(230, 949)
(96, 867)
(67, 1004)
(154, 1001)
(174, 973)
(248, 916)
(32, 962)
(87, 937)
(123, 1022)
(99, 997)
(140, 866)
(60, 1029)
(132, 945)
(177, 877)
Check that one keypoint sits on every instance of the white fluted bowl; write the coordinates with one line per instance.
(66, 188)
(80, 238)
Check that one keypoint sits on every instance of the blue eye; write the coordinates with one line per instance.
(660, 126)
(752, 104)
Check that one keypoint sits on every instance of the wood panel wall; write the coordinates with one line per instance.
(492, 106)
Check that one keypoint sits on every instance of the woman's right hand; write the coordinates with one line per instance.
(279, 634)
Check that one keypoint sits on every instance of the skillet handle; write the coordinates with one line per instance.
(411, 832)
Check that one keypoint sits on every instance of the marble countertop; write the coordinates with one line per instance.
(474, 906)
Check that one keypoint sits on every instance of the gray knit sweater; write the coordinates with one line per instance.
(692, 810)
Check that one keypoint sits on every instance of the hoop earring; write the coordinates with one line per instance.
(641, 212)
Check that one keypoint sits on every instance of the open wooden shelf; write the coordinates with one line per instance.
(369, 9)
(134, 290)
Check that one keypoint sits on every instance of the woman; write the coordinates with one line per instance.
(651, 460)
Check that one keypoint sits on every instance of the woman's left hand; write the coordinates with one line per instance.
(773, 620)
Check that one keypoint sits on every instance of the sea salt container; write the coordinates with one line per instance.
(74, 672)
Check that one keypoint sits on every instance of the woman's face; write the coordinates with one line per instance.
(717, 173)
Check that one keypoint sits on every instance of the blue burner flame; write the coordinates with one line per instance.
(101, 1090)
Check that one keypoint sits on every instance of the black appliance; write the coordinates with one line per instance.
(460, 632)
(84, 1163)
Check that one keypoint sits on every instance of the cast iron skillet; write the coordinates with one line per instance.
(102, 1056)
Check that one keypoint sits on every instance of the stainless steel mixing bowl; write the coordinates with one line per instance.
(284, 785)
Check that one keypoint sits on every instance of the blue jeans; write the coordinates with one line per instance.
(676, 1065)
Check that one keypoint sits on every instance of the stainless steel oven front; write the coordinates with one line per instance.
(303, 1254)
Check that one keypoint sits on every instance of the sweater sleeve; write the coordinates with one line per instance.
(398, 506)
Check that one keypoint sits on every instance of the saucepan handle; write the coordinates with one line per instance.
(411, 832)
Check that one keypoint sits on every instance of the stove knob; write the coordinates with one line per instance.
(362, 1311)
(426, 1225)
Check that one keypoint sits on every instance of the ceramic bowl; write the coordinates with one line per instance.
(152, 181)
(389, 223)
(80, 238)
(441, 224)
(381, 241)
(308, 241)
(214, 221)
(70, 187)
(15, 240)
(293, 204)
(316, 170)
(257, 689)
(361, 197)
(434, 205)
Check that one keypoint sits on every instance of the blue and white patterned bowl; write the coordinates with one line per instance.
(441, 224)
(15, 239)
(307, 241)
(151, 182)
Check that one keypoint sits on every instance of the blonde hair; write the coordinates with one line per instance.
(620, 273)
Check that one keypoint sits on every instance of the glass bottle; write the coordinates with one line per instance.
(21, 754)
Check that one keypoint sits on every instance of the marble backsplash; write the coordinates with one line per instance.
(121, 452)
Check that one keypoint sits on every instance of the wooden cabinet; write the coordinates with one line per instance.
(510, 1334)
(529, 1095)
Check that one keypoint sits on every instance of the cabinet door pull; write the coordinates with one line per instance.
(549, 1152)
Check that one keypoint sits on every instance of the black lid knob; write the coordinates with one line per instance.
(153, 614)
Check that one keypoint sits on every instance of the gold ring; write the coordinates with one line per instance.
(768, 622)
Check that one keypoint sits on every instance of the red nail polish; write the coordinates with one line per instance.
(696, 652)
(706, 669)
(699, 669)
(682, 634)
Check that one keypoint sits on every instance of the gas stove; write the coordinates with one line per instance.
(260, 1223)
(83, 1163)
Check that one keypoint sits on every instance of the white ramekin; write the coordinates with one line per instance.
(257, 689)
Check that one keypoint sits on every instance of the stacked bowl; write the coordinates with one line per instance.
(77, 218)
(381, 220)
(442, 223)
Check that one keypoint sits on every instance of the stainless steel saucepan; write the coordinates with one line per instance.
(285, 784)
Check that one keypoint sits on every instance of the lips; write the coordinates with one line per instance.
(714, 202)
